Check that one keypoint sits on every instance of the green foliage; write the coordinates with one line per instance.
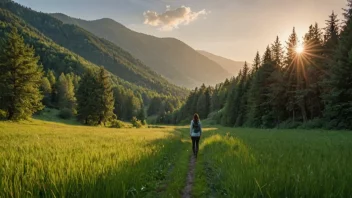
(184, 69)
(117, 124)
(316, 123)
(20, 78)
(94, 49)
(46, 90)
(66, 113)
(338, 97)
(3, 115)
(95, 98)
(289, 89)
(66, 93)
(136, 123)
(56, 59)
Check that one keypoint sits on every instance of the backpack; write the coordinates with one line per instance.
(196, 127)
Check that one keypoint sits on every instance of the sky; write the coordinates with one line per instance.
(234, 29)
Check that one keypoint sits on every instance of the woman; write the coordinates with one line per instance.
(195, 132)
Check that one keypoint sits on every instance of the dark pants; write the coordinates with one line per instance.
(195, 145)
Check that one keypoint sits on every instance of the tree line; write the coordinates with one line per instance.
(287, 88)
(26, 89)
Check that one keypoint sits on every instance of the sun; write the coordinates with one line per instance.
(299, 49)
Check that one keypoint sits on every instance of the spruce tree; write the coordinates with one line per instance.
(141, 115)
(277, 53)
(261, 113)
(313, 71)
(338, 109)
(277, 88)
(52, 80)
(331, 36)
(45, 87)
(66, 94)
(290, 76)
(119, 95)
(266, 104)
(87, 97)
(256, 63)
(20, 78)
(242, 96)
(106, 97)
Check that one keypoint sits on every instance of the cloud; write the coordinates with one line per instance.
(172, 19)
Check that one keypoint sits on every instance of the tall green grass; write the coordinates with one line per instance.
(56, 160)
(46, 159)
(276, 163)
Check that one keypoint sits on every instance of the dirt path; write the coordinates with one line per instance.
(190, 178)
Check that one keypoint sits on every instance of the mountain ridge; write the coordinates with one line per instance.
(98, 51)
(69, 48)
(170, 57)
(230, 65)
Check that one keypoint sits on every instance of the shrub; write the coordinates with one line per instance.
(65, 113)
(3, 115)
(313, 124)
(117, 124)
(289, 125)
(136, 123)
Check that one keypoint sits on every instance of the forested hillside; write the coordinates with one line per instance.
(63, 72)
(170, 57)
(98, 51)
(306, 85)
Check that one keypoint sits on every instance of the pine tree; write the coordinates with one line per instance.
(66, 94)
(45, 88)
(20, 78)
(106, 97)
(331, 36)
(201, 106)
(261, 113)
(154, 106)
(242, 96)
(208, 93)
(119, 95)
(277, 53)
(338, 100)
(141, 115)
(277, 88)
(313, 71)
(52, 80)
(87, 97)
(266, 106)
(256, 63)
(291, 76)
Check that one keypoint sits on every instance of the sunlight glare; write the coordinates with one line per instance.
(299, 49)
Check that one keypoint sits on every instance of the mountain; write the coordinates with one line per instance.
(231, 66)
(86, 47)
(169, 57)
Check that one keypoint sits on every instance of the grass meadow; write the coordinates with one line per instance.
(274, 163)
(48, 159)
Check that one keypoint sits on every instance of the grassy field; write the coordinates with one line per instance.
(274, 163)
(47, 159)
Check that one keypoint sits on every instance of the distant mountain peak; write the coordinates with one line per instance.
(230, 65)
(170, 57)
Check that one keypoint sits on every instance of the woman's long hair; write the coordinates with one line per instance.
(196, 118)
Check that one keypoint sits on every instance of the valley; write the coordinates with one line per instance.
(91, 108)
